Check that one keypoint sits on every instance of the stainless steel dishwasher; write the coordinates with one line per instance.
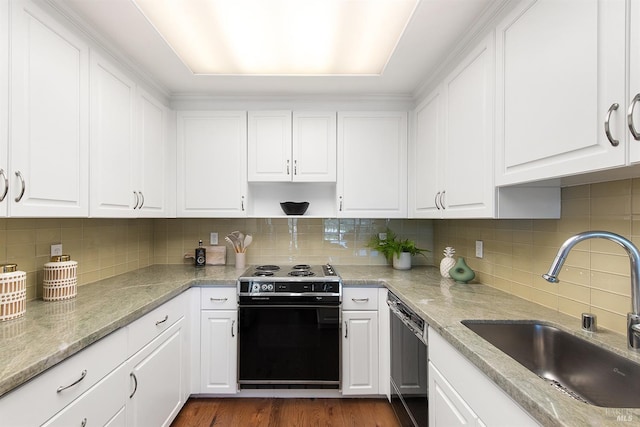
(409, 374)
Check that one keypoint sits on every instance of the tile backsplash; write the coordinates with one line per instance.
(595, 277)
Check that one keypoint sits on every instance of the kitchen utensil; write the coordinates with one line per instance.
(247, 241)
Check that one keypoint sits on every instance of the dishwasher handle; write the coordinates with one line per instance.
(417, 331)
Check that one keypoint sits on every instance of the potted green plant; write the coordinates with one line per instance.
(396, 250)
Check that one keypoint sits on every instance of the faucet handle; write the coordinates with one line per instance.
(589, 322)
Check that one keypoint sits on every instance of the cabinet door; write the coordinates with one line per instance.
(157, 379)
(425, 165)
(152, 169)
(269, 146)
(561, 65)
(468, 143)
(360, 352)
(113, 147)
(372, 164)
(634, 77)
(49, 116)
(4, 106)
(212, 171)
(314, 146)
(219, 351)
(446, 407)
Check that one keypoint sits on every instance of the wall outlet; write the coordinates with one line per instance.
(213, 239)
(382, 236)
(56, 249)
(479, 249)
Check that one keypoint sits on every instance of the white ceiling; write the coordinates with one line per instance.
(436, 28)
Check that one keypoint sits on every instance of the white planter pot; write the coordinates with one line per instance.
(402, 262)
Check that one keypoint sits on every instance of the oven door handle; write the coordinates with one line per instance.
(405, 321)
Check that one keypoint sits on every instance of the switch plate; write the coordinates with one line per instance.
(479, 249)
(213, 239)
(56, 249)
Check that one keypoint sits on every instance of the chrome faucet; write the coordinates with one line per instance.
(633, 318)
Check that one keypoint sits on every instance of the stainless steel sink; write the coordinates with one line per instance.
(571, 364)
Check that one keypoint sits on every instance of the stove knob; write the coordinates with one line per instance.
(270, 287)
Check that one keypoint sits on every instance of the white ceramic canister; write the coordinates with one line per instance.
(13, 292)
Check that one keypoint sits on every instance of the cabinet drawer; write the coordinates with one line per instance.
(219, 298)
(360, 298)
(152, 324)
(98, 405)
(72, 377)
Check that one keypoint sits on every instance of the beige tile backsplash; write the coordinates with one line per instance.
(595, 277)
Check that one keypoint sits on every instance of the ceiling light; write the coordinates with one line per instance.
(281, 37)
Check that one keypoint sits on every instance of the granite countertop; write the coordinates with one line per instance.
(53, 331)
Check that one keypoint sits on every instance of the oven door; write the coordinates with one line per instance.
(289, 346)
(409, 375)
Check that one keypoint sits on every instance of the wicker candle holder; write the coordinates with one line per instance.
(60, 279)
(13, 292)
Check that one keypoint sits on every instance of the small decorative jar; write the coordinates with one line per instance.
(13, 292)
(60, 279)
(461, 272)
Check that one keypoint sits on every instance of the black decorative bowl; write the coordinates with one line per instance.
(294, 208)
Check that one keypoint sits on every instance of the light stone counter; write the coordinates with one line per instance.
(53, 331)
(443, 304)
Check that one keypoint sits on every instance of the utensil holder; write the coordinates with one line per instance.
(240, 260)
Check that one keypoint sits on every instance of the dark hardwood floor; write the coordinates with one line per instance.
(252, 412)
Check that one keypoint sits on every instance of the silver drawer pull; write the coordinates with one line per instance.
(219, 299)
(346, 329)
(166, 317)
(135, 384)
(233, 322)
(83, 423)
(64, 387)
(360, 299)
(632, 127)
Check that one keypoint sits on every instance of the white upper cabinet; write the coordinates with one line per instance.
(634, 82)
(372, 164)
(113, 148)
(451, 156)
(285, 147)
(4, 106)
(153, 169)
(314, 146)
(48, 167)
(212, 163)
(560, 72)
(269, 146)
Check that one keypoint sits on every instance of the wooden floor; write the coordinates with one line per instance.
(251, 412)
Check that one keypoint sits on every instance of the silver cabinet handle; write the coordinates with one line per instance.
(219, 299)
(360, 299)
(64, 387)
(632, 128)
(83, 423)
(6, 185)
(346, 329)
(233, 322)
(340, 208)
(287, 167)
(166, 317)
(19, 175)
(435, 200)
(142, 200)
(607, 130)
(242, 203)
(442, 199)
(135, 193)
(135, 386)
(295, 167)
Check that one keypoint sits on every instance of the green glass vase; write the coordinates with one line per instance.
(461, 272)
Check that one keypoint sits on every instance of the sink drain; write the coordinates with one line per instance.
(555, 384)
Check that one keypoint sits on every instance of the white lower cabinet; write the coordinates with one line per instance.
(218, 340)
(364, 347)
(219, 349)
(156, 379)
(461, 395)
